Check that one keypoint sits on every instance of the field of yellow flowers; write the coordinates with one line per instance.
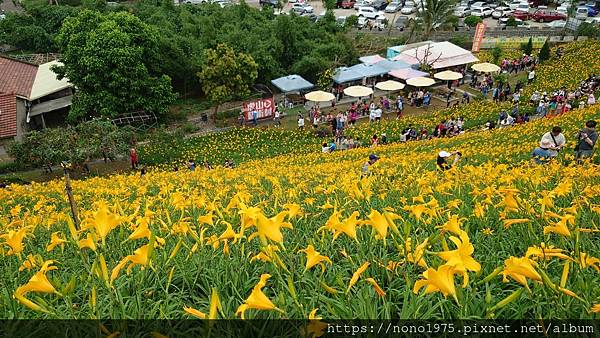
(304, 236)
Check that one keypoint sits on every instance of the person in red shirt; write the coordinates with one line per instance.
(133, 156)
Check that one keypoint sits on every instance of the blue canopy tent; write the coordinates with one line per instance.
(368, 71)
(345, 74)
(291, 83)
(390, 65)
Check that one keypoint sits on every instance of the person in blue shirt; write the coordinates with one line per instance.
(332, 146)
(255, 117)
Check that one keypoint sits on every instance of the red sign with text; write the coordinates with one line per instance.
(479, 33)
(264, 108)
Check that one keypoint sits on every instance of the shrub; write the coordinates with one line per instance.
(472, 20)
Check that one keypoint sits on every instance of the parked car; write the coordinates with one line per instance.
(503, 23)
(582, 12)
(379, 5)
(482, 12)
(523, 7)
(348, 4)
(556, 24)
(362, 3)
(301, 8)
(462, 11)
(478, 4)
(377, 23)
(521, 15)
(501, 12)
(272, 3)
(401, 22)
(547, 16)
(592, 9)
(563, 8)
(408, 9)
(393, 7)
(513, 5)
(369, 13)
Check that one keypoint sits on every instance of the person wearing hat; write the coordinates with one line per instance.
(442, 159)
(542, 153)
(365, 168)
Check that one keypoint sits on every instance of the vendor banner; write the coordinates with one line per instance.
(512, 42)
(264, 107)
(478, 37)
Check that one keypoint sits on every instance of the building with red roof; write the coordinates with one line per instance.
(28, 92)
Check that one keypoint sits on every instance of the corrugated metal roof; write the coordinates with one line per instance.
(46, 82)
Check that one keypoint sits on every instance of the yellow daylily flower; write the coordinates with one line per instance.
(520, 269)
(313, 258)
(460, 259)
(14, 239)
(357, 274)
(54, 241)
(440, 280)
(376, 286)
(257, 299)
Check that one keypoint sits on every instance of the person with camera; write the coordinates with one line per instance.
(443, 156)
(586, 140)
(555, 139)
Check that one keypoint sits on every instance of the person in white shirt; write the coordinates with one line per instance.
(325, 148)
(556, 140)
(277, 118)
(372, 116)
(378, 113)
(300, 122)
(530, 76)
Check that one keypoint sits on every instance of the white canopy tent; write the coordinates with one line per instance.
(442, 55)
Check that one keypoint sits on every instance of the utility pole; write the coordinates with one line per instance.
(66, 166)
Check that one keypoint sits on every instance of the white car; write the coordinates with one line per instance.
(369, 13)
(362, 3)
(393, 7)
(593, 21)
(481, 12)
(300, 8)
(581, 13)
(406, 10)
(500, 12)
(524, 7)
(564, 8)
(515, 4)
(556, 24)
(478, 4)
(462, 11)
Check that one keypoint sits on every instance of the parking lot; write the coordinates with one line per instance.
(318, 9)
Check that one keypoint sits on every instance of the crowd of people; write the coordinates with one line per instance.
(561, 100)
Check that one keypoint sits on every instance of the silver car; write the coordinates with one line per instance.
(462, 11)
(393, 7)
(501, 12)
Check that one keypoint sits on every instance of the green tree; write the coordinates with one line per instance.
(544, 52)
(496, 54)
(437, 14)
(527, 48)
(511, 22)
(472, 20)
(112, 59)
(226, 74)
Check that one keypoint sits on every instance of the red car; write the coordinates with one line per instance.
(547, 16)
(348, 4)
(522, 15)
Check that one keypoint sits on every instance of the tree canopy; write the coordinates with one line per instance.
(112, 59)
(226, 74)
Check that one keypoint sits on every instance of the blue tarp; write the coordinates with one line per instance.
(369, 70)
(291, 83)
(345, 74)
(390, 65)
